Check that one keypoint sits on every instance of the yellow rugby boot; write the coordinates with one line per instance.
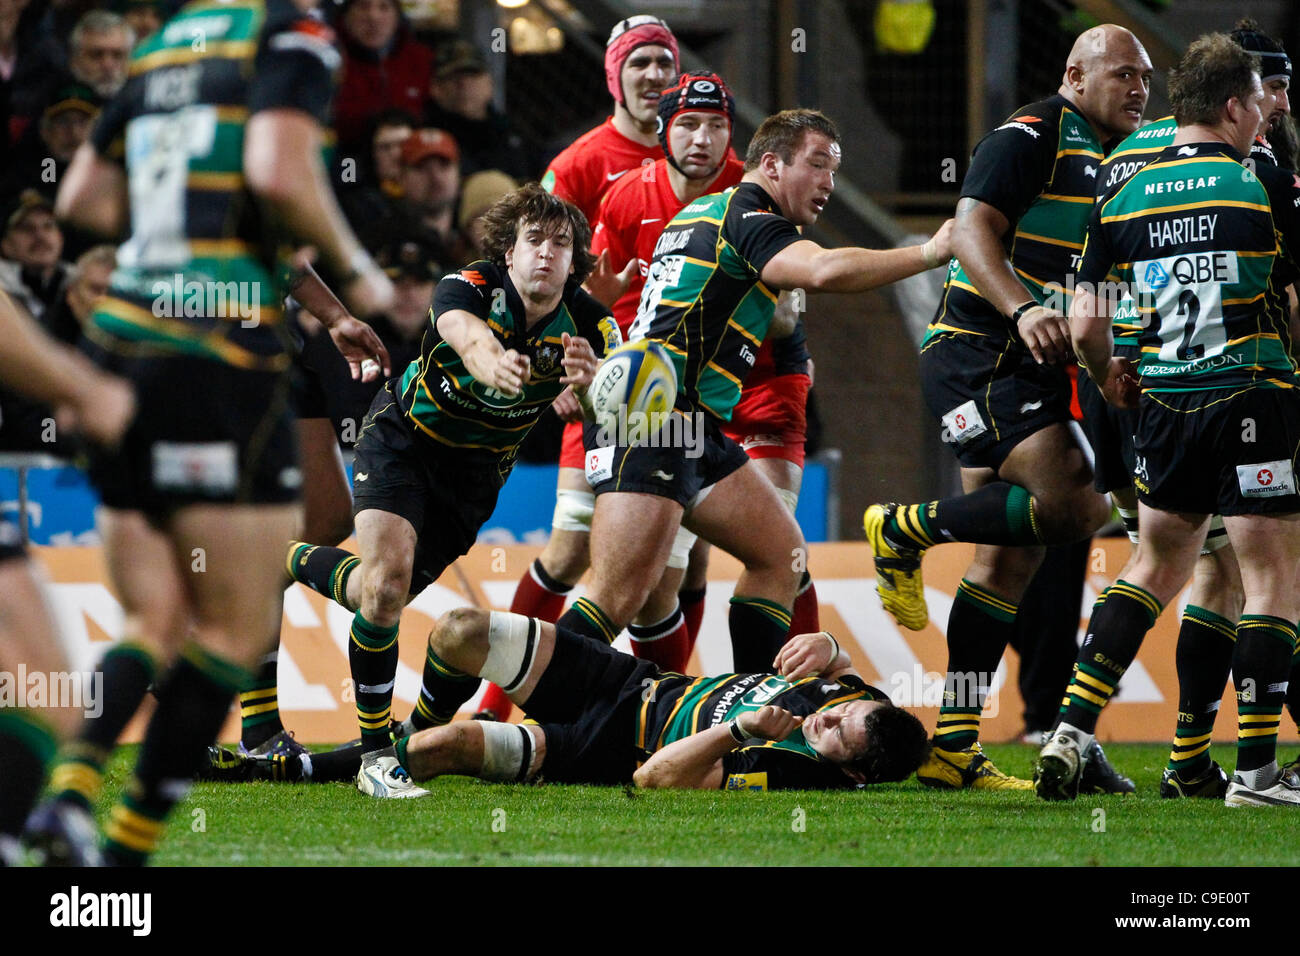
(969, 768)
(898, 571)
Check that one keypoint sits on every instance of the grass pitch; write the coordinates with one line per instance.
(468, 823)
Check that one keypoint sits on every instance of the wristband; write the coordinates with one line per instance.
(1019, 313)
(835, 647)
(928, 253)
(738, 735)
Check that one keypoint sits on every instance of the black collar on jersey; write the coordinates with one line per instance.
(767, 199)
(1211, 147)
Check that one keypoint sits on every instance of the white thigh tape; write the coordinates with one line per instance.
(512, 644)
(680, 556)
(573, 510)
(1216, 536)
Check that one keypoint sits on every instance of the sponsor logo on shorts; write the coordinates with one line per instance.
(1268, 479)
(600, 465)
(963, 423)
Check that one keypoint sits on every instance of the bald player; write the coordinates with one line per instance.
(993, 368)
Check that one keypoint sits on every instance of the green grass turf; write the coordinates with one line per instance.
(466, 822)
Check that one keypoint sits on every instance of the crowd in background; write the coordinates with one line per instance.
(420, 152)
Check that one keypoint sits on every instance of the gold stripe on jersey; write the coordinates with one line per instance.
(723, 372)
(1057, 197)
(732, 323)
(424, 387)
(227, 181)
(1048, 239)
(1034, 279)
(686, 691)
(225, 49)
(1080, 152)
(176, 334)
(1161, 210)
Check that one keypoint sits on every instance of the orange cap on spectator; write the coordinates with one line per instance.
(426, 143)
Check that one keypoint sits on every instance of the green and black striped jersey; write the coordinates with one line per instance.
(703, 298)
(1205, 248)
(448, 405)
(1039, 169)
(677, 707)
(200, 273)
(1135, 151)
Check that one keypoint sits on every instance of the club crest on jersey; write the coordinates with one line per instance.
(547, 360)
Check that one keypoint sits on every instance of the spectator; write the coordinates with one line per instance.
(430, 183)
(64, 125)
(462, 105)
(31, 271)
(384, 67)
(479, 192)
(98, 50)
(367, 195)
(24, 70)
(144, 17)
(85, 284)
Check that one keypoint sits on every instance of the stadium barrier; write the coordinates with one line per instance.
(315, 695)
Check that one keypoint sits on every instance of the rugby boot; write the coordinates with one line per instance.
(282, 744)
(969, 768)
(1059, 768)
(382, 776)
(1099, 776)
(1212, 784)
(61, 833)
(1285, 792)
(898, 571)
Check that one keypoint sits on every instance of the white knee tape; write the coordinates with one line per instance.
(507, 752)
(791, 498)
(1216, 536)
(512, 645)
(573, 510)
(680, 556)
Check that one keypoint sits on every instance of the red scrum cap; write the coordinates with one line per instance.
(626, 36)
(697, 92)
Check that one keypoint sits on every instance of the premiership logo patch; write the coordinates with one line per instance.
(1269, 479)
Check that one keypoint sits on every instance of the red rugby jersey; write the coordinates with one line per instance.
(588, 167)
(634, 213)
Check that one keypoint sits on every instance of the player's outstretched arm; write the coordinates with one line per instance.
(806, 265)
(84, 398)
(282, 166)
(695, 762)
(356, 341)
(484, 357)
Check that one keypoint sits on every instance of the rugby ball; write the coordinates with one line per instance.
(633, 391)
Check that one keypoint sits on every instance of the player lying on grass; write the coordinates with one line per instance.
(604, 717)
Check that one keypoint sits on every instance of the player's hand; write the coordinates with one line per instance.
(370, 292)
(1046, 333)
(358, 343)
(939, 247)
(769, 723)
(604, 284)
(101, 412)
(508, 373)
(579, 361)
(1120, 386)
(567, 406)
(812, 378)
(805, 655)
